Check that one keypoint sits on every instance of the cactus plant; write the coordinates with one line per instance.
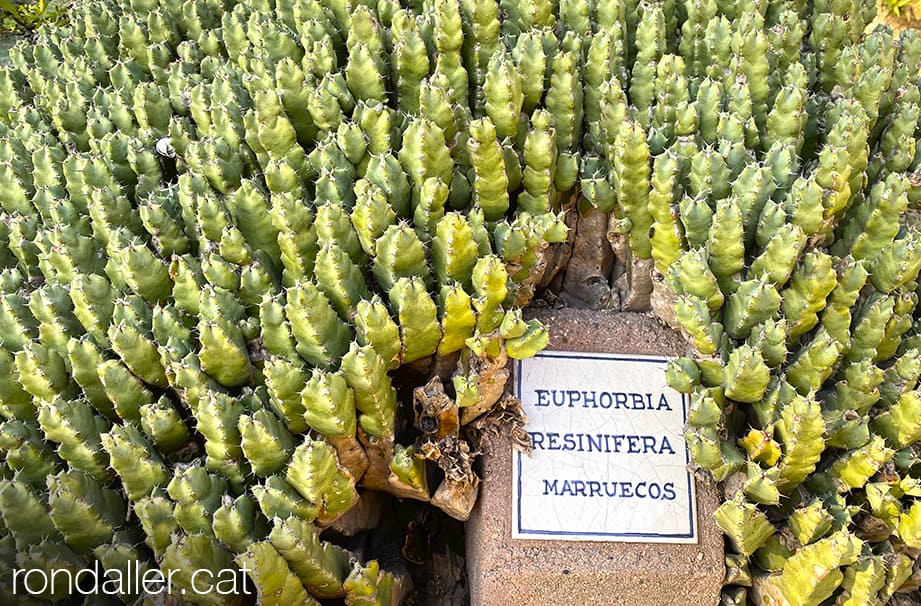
(222, 237)
(234, 235)
(779, 248)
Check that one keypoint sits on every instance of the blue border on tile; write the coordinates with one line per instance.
(687, 455)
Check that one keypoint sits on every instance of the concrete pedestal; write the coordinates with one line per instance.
(504, 572)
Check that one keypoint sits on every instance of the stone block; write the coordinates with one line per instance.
(503, 571)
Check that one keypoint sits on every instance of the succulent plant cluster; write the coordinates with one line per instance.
(774, 184)
(225, 226)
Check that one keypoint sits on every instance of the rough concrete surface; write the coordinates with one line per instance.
(503, 571)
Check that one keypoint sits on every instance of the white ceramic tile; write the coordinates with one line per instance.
(609, 460)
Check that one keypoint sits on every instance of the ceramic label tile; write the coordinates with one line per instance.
(609, 460)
